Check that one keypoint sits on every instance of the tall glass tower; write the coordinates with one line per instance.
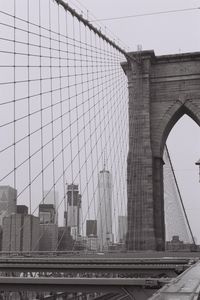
(104, 214)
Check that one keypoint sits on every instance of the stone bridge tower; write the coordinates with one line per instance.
(161, 90)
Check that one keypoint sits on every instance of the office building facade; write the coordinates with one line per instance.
(22, 209)
(122, 228)
(20, 233)
(91, 227)
(92, 243)
(48, 240)
(48, 228)
(52, 197)
(47, 214)
(65, 241)
(73, 210)
(8, 198)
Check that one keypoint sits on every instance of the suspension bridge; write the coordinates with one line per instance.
(90, 206)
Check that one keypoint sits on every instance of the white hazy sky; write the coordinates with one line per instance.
(165, 34)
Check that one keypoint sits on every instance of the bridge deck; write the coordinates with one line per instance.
(78, 284)
(149, 266)
(185, 286)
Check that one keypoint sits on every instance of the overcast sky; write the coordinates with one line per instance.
(165, 34)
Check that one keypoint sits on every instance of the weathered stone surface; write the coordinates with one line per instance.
(161, 90)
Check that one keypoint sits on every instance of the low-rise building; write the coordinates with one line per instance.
(177, 245)
(92, 243)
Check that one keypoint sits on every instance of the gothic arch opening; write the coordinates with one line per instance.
(183, 111)
(183, 143)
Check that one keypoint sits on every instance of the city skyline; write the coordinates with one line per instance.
(22, 231)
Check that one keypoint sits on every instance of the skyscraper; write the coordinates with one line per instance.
(8, 198)
(91, 235)
(48, 227)
(122, 228)
(20, 231)
(91, 227)
(48, 237)
(104, 217)
(65, 240)
(47, 214)
(51, 197)
(73, 209)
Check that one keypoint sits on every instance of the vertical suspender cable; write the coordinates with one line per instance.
(61, 111)
(41, 104)
(52, 60)
(179, 193)
(14, 113)
(29, 112)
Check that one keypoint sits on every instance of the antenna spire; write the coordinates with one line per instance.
(104, 160)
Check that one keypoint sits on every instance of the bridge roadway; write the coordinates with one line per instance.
(84, 285)
(98, 265)
(144, 273)
(106, 255)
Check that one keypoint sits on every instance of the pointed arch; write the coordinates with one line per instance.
(173, 116)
